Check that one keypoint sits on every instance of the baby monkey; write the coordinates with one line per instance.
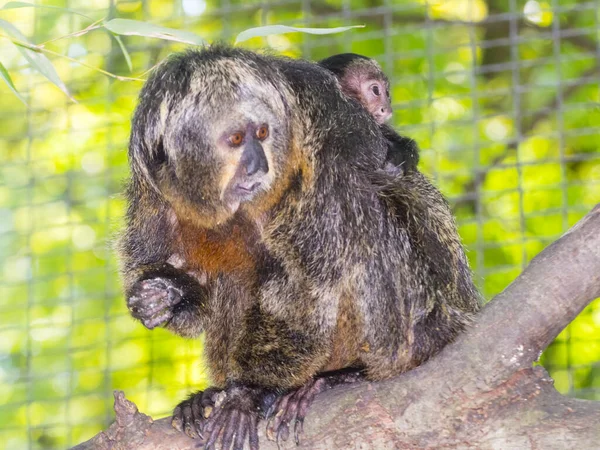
(362, 79)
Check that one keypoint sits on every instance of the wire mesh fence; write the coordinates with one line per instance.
(502, 97)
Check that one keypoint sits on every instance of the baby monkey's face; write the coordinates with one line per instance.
(364, 81)
(375, 97)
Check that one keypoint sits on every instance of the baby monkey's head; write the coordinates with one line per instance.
(362, 79)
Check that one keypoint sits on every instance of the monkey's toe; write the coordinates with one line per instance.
(292, 408)
(234, 418)
(234, 426)
(190, 415)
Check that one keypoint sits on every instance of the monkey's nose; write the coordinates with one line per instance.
(254, 159)
(385, 114)
(257, 164)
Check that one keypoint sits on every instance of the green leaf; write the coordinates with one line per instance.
(37, 60)
(125, 52)
(282, 29)
(129, 27)
(14, 5)
(6, 77)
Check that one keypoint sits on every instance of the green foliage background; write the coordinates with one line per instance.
(502, 97)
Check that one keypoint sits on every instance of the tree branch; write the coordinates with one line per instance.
(519, 323)
(479, 393)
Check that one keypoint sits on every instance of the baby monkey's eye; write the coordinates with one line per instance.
(262, 132)
(236, 139)
(376, 90)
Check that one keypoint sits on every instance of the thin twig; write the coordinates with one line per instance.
(37, 48)
(91, 27)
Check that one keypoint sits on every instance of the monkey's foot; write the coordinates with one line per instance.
(234, 420)
(151, 301)
(191, 414)
(293, 406)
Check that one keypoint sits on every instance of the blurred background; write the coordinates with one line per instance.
(502, 96)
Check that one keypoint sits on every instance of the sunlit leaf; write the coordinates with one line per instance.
(125, 52)
(6, 77)
(14, 5)
(129, 27)
(282, 29)
(37, 60)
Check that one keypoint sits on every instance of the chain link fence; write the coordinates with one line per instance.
(502, 96)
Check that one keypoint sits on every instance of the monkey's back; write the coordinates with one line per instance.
(382, 252)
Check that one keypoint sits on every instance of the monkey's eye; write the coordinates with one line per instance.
(262, 133)
(376, 90)
(236, 139)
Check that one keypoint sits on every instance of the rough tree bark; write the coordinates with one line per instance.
(481, 392)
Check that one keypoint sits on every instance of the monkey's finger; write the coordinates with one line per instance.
(188, 421)
(142, 292)
(292, 406)
(142, 296)
(215, 427)
(298, 429)
(154, 292)
(174, 295)
(283, 432)
(270, 417)
(177, 420)
(230, 428)
(304, 403)
(242, 432)
(274, 407)
(208, 397)
(270, 431)
(155, 321)
(158, 284)
(146, 305)
(153, 304)
(253, 432)
(281, 412)
(197, 414)
(213, 420)
(196, 402)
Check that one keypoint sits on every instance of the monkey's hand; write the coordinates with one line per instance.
(395, 171)
(235, 418)
(152, 301)
(191, 414)
(161, 294)
(293, 406)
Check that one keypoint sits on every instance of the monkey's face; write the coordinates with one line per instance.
(366, 82)
(250, 147)
(375, 95)
(225, 142)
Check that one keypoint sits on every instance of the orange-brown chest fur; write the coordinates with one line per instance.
(230, 248)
